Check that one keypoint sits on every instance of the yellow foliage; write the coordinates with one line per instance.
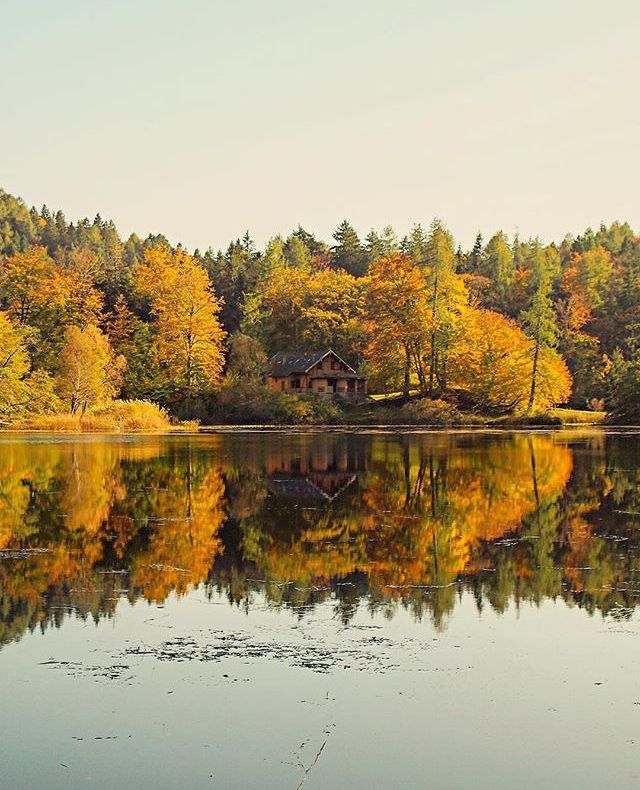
(189, 338)
(490, 361)
(89, 372)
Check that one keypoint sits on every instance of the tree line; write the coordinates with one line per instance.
(509, 326)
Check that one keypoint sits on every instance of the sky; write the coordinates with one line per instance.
(201, 119)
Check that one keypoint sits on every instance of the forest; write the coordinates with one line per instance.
(134, 332)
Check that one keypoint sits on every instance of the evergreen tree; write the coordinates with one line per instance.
(415, 245)
(296, 252)
(348, 253)
(476, 253)
(497, 264)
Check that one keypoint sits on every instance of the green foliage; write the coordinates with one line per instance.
(497, 264)
(424, 411)
(623, 390)
(22, 390)
(252, 403)
(246, 359)
(539, 320)
(348, 252)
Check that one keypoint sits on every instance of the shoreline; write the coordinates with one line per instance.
(316, 429)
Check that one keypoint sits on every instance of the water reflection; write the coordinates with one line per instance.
(375, 521)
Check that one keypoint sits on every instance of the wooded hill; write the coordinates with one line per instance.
(510, 326)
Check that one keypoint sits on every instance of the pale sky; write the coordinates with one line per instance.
(202, 118)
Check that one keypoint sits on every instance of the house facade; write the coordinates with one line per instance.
(321, 373)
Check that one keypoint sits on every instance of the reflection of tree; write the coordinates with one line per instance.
(71, 510)
(183, 523)
(422, 514)
(389, 521)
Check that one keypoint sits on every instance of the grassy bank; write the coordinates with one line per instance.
(579, 417)
(117, 417)
(144, 416)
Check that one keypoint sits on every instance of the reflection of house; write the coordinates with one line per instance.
(318, 372)
(288, 487)
(321, 474)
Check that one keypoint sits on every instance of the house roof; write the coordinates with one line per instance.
(283, 363)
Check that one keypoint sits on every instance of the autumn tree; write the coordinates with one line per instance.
(188, 338)
(88, 370)
(51, 295)
(399, 321)
(23, 391)
(491, 365)
(131, 338)
(295, 309)
(25, 283)
(488, 361)
(446, 296)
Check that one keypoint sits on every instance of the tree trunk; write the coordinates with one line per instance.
(407, 371)
(534, 378)
(434, 354)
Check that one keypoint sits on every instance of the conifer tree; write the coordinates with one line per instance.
(348, 252)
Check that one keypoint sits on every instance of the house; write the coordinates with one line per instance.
(321, 372)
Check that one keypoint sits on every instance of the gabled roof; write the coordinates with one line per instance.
(283, 363)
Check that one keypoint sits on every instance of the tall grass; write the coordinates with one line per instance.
(118, 416)
(579, 417)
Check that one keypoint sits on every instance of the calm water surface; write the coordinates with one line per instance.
(437, 610)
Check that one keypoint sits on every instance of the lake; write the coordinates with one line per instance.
(325, 610)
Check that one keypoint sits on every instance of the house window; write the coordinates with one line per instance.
(295, 384)
(282, 385)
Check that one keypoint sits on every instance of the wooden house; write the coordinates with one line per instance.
(321, 373)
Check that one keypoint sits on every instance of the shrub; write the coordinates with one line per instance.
(623, 390)
(251, 403)
(423, 411)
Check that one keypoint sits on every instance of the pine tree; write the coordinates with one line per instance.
(348, 253)
(497, 264)
(476, 253)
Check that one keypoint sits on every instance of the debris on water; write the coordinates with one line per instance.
(369, 652)
(106, 672)
(16, 554)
